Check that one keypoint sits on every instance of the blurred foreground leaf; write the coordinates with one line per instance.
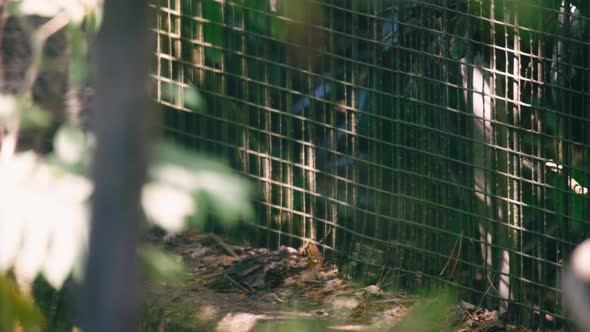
(8, 106)
(75, 9)
(194, 100)
(159, 264)
(431, 313)
(72, 147)
(31, 115)
(178, 173)
(14, 307)
(167, 205)
(191, 98)
(49, 237)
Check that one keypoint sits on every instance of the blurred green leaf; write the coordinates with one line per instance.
(194, 100)
(78, 70)
(212, 185)
(431, 313)
(228, 197)
(31, 115)
(71, 145)
(159, 264)
(167, 206)
(15, 307)
(9, 106)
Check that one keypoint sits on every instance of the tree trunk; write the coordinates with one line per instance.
(109, 295)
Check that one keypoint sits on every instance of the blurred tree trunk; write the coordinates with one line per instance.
(110, 293)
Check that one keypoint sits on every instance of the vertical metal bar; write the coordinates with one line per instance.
(516, 206)
(502, 164)
(540, 248)
(266, 103)
(289, 174)
(375, 106)
(159, 52)
(178, 75)
(333, 136)
(245, 93)
(353, 123)
(199, 51)
(311, 149)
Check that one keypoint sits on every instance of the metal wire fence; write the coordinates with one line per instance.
(441, 140)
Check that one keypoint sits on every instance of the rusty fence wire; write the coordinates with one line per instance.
(441, 140)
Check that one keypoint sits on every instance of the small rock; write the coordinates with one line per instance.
(373, 290)
(328, 274)
(199, 252)
(395, 312)
(321, 313)
(199, 269)
(207, 313)
(493, 315)
(467, 306)
(289, 282)
(331, 285)
(228, 260)
(288, 251)
(511, 328)
(340, 304)
(272, 297)
(238, 322)
(262, 251)
(238, 249)
(349, 327)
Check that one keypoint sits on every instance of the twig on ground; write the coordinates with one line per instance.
(219, 241)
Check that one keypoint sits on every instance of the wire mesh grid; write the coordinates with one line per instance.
(442, 140)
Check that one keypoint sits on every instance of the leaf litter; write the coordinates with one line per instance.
(231, 287)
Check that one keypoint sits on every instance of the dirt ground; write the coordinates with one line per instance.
(240, 288)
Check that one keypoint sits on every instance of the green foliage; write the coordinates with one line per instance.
(14, 307)
(431, 313)
(199, 185)
(21, 107)
(213, 29)
(191, 98)
(78, 69)
(160, 265)
(257, 17)
(72, 149)
(51, 237)
(194, 100)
